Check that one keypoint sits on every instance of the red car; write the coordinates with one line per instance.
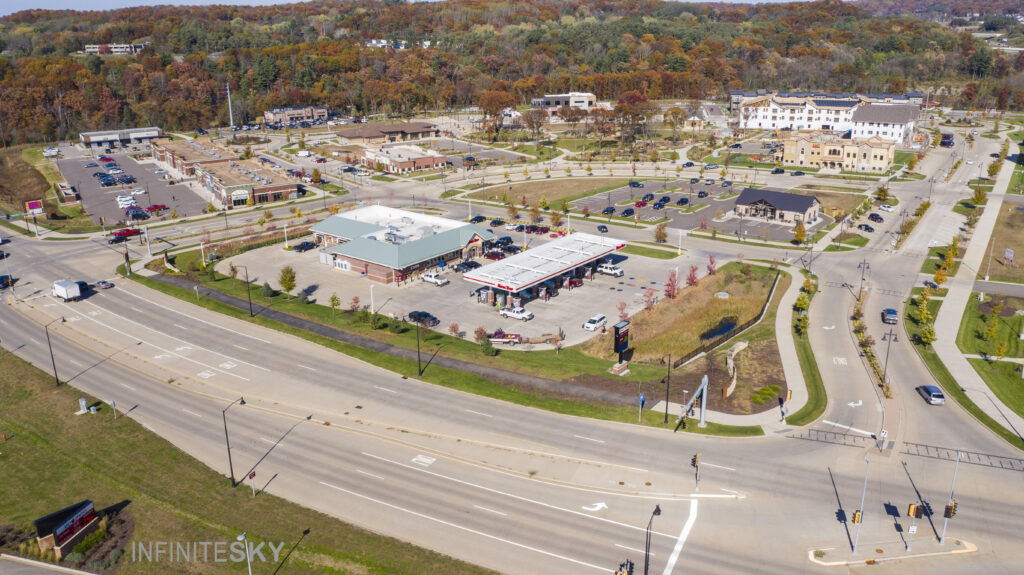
(106, 159)
(543, 230)
(156, 208)
(494, 256)
(127, 232)
(321, 160)
(640, 204)
(574, 282)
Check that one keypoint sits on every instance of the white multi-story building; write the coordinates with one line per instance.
(776, 112)
(114, 49)
(552, 102)
(892, 122)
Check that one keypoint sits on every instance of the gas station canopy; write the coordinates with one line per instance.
(531, 267)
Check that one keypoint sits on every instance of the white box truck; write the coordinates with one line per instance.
(67, 290)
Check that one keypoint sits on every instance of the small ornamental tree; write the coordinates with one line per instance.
(649, 298)
(354, 304)
(623, 314)
(800, 233)
(671, 285)
(711, 264)
(287, 279)
(586, 211)
(535, 213)
(927, 335)
(800, 324)
(556, 218)
(512, 211)
(543, 203)
(453, 329)
(232, 270)
(334, 302)
(479, 334)
(266, 291)
(691, 278)
(661, 232)
(947, 262)
(940, 276)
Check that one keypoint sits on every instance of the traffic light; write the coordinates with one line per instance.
(695, 461)
(950, 510)
(685, 416)
(856, 516)
(912, 510)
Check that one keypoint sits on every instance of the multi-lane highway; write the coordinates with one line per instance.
(526, 491)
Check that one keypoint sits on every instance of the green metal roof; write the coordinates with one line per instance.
(396, 256)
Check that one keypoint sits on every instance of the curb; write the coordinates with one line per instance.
(968, 548)
(39, 564)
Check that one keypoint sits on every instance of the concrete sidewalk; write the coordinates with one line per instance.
(947, 322)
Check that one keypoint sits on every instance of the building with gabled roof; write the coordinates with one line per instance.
(810, 110)
(825, 151)
(384, 133)
(777, 206)
(893, 122)
(391, 245)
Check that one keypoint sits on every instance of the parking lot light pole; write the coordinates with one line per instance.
(372, 307)
(419, 369)
(248, 293)
(46, 328)
(224, 416)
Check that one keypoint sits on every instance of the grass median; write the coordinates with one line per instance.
(817, 400)
(53, 459)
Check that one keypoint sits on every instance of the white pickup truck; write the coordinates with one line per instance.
(435, 278)
(516, 313)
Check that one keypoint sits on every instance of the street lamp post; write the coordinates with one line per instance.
(373, 308)
(668, 382)
(46, 328)
(248, 558)
(419, 369)
(647, 548)
(248, 292)
(860, 511)
(888, 338)
(224, 416)
(864, 268)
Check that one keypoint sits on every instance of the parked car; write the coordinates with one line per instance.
(682, 201)
(778, 171)
(138, 192)
(503, 240)
(531, 229)
(702, 194)
(890, 315)
(520, 228)
(595, 322)
(694, 180)
(608, 211)
(321, 160)
(610, 269)
(495, 255)
(933, 395)
(602, 228)
(477, 219)
(496, 223)
(510, 249)
(115, 171)
(865, 228)
(435, 278)
(875, 218)
(156, 208)
(543, 230)
(511, 226)
(648, 198)
(92, 165)
(423, 317)
(640, 204)
(519, 313)
(635, 184)
(709, 182)
(304, 246)
(574, 283)
(886, 208)
(658, 205)
(471, 264)
(628, 212)
(726, 184)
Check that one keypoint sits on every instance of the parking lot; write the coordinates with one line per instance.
(100, 201)
(464, 149)
(457, 301)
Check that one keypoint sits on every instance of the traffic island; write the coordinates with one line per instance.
(885, 551)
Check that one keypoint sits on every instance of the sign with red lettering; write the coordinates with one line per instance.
(74, 524)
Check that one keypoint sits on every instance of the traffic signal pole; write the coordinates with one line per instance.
(860, 513)
(949, 502)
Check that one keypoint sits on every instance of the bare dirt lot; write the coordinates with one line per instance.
(553, 191)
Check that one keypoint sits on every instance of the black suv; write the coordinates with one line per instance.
(608, 211)
(304, 246)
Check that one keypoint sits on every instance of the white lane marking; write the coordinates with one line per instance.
(479, 413)
(127, 386)
(492, 511)
(151, 303)
(829, 327)
(385, 389)
(423, 460)
(112, 328)
(179, 326)
(75, 362)
(368, 473)
(632, 549)
(595, 507)
(589, 439)
(513, 496)
(836, 360)
(682, 539)
(305, 367)
(857, 403)
(240, 347)
(603, 569)
(136, 310)
(718, 466)
(148, 427)
(33, 340)
(853, 429)
(191, 412)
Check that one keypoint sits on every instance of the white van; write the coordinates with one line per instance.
(610, 269)
(596, 322)
(303, 153)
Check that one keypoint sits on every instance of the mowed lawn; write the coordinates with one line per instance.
(845, 202)
(1008, 233)
(553, 191)
(676, 326)
(53, 459)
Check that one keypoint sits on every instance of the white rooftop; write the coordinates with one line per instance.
(546, 261)
(408, 225)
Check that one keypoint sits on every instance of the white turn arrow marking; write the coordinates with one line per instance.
(857, 404)
(827, 327)
(596, 507)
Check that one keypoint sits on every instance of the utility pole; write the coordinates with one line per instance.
(864, 267)
(231, 113)
(858, 517)
(949, 501)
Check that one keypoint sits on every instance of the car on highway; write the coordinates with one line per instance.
(865, 228)
(778, 171)
(710, 166)
(104, 284)
(127, 232)
(635, 184)
(91, 165)
(797, 173)
(422, 317)
(321, 160)
(117, 239)
(304, 246)
(519, 313)
(876, 218)
(709, 182)
(602, 228)
(628, 212)
(159, 171)
(726, 184)
(682, 201)
(608, 210)
(596, 322)
(640, 204)
(890, 316)
(477, 219)
(932, 394)
(886, 208)
(736, 146)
